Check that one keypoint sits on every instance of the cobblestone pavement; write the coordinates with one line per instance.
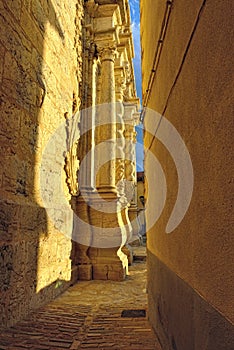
(88, 316)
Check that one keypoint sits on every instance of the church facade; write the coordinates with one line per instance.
(67, 137)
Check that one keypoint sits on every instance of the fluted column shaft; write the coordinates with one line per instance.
(86, 156)
(131, 118)
(106, 124)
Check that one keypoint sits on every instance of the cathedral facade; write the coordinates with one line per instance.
(67, 137)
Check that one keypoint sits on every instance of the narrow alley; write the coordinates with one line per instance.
(116, 129)
(88, 316)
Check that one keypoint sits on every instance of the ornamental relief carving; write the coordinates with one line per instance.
(119, 175)
(71, 168)
(71, 160)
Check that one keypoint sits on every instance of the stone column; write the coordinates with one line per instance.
(109, 234)
(87, 125)
(120, 140)
(82, 233)
(131, 118)
(120, 157)
(106, 123)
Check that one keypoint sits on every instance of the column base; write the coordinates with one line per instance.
(109, 272)
(99, 233)
(107, 264)
(85, 272)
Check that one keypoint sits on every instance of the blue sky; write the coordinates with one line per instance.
(135, 18)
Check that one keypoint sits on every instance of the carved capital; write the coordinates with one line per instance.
(107, 53)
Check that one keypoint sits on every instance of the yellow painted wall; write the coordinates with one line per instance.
(193, 88)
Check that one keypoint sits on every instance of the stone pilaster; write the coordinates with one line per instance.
(109, 233)
(120, 77)
(120, 140)
(131, 118)
(82, 232)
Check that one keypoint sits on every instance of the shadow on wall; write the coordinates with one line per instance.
(24, 226)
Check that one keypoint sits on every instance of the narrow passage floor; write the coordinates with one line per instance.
(89, 315)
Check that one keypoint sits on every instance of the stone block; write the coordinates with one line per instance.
(100, 272)
(117, 274)
(24, 88)
(11, 116)
(33, 218)
(85, 272)
(6, 266)
(12, 36)
(114, 272)
(27, 4)
(2, 54)
(9, 173)
(29, 135)
(9, 216)
(15, 8)
(31, 29)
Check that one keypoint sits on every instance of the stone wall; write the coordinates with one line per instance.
(190, 271)
(40, 72)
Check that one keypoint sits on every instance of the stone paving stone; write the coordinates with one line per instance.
(88, 316)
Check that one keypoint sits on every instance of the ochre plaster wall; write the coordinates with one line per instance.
(190, 280)
(39, 71)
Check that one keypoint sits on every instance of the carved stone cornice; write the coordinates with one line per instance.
(131, 116)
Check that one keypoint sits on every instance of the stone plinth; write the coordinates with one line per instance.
(82, 236)
(108, 236)
(98, 234)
